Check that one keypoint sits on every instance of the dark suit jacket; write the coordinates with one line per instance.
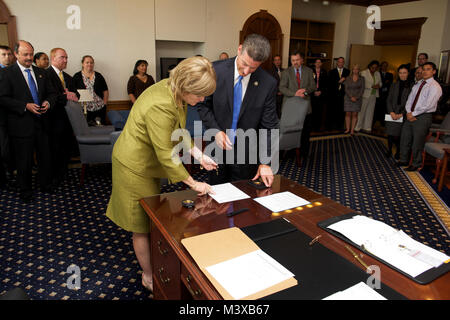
(333, 82)
(274, 73)
(258, 108)
(387, 79)
(15, 94)
(323, 80)
(58, 116)
(391, 102)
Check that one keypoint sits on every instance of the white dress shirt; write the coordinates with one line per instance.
(428, 99)
(25, 74)
(245, 79)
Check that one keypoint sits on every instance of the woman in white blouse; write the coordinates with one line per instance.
(372, 80)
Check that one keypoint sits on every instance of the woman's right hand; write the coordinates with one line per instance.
(202, 188)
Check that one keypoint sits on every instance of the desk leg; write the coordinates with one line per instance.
(443, 171)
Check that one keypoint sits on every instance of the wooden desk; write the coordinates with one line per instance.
(177, 276)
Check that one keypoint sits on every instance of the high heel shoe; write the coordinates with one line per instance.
(147, 284)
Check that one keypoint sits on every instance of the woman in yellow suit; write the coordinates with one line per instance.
(144, 151)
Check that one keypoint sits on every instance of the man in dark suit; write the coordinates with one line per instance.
(60, 130)
(387, 79)
(27, 94)
(336, 93)
(276, 73)
(6, 58)
(318, 98)
(244, 99)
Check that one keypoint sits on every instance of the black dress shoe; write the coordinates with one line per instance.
(26, 197)
(411, 168)
(402, 164)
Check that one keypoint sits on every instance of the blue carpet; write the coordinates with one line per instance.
(39, 241)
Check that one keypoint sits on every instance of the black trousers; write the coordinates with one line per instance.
(24, 148)
(335, 112)
(232, 171)
(318, 109)
(306, 134)
(60, 139)
(91, 115)
(4, 154)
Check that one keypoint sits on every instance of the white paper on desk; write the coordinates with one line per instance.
(360, 291)
(249, 274)
(389, 118)
(281, 201)
(227, 193)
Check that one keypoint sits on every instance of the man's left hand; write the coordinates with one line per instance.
(266, 174)
(45, 107)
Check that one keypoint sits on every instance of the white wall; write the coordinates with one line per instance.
(180, 20)
(114, 32)
(435, 31)
(119, 32)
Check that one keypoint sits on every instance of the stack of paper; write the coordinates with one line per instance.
(281, 201)
(393, 246)
(227, 193)
(360, 291)
(249, 274)
(236, 266)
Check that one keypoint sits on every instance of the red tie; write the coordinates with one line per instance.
(298, 79)
(417, 96)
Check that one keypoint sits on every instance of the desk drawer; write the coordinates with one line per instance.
(191, 285)
(166, 267)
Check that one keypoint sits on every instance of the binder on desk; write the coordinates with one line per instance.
(211, 249)
(423, 278)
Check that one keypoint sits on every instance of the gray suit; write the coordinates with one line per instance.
(289, 85)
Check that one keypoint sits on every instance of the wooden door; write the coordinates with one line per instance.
(267, 25)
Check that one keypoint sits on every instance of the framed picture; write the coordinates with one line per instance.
(444, 66)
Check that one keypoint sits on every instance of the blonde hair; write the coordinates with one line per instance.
(53, 52)
(194, 75)
(356, 66)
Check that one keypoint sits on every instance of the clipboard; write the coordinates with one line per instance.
(219, 246)
(424, 278)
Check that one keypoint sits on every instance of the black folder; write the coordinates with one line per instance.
(319, 271)
(424, 278)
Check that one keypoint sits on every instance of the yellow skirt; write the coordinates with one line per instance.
(127, 189)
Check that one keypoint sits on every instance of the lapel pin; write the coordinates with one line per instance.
(40, 76)
(256, 83)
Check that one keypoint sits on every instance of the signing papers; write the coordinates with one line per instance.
(227, 193)
(393, 246)
(281, 201)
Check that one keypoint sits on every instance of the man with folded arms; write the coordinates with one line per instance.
(421, 104)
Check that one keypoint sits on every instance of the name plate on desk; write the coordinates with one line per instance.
(236, 266)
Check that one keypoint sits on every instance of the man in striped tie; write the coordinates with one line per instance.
(421, 104)
(27, 95)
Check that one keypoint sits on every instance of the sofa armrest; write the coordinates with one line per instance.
(101, 130)
(94, 139)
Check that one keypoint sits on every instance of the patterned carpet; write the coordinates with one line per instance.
(38, 242)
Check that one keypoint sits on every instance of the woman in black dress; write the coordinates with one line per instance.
(395, 105)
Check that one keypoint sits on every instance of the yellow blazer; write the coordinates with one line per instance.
(145, 145)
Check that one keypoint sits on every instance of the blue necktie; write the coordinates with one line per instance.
(33, 88)
(237, 102)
